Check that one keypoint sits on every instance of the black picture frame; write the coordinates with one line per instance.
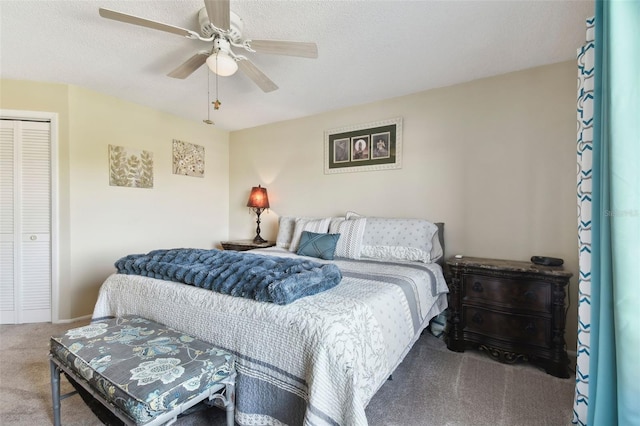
(364, 147)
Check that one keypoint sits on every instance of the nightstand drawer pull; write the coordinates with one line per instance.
(477, 318)
(529, 296)
(477, 286)
(530, 329)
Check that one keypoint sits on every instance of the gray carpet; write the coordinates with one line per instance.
(432, 387)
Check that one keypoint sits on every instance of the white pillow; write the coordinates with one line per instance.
(400, 239)
(436, 248)
(352, 215)
(286, 226)
(351, 234)
(319, 226)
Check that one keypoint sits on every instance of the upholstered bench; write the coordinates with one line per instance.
(143, 372)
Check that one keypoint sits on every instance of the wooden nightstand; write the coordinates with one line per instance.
(243, 245)
(512, 310)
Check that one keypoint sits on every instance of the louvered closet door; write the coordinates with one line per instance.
(8, 309)
(25, 245)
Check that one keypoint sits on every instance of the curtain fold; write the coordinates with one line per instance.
(613, 375)
(602, 383)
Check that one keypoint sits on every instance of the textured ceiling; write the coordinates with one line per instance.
(368, 50)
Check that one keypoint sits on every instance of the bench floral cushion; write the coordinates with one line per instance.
(141, 367)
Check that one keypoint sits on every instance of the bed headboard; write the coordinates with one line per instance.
(440, 226)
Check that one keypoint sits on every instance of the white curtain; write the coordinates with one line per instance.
(586, 80)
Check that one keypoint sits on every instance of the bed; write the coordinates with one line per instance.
(319, 359)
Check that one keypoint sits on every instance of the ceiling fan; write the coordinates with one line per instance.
(222, 27)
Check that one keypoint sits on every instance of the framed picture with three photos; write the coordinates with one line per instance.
(364, 147)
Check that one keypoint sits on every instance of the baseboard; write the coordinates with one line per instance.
(67, 321)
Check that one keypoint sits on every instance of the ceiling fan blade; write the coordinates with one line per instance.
(219, 13)
(136, 20)
(257, 76)
(190, 65)
(281, 47)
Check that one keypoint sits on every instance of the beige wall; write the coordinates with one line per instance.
(494, 159)
(100, 223)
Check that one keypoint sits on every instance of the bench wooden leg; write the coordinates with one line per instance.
(55, 392)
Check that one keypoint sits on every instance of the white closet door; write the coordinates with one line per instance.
(8, 308)
(31, 218)
(35, 210)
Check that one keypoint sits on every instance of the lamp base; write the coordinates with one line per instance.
(259, 240)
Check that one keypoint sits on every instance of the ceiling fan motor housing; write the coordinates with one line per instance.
(220, 43)
(207, 30)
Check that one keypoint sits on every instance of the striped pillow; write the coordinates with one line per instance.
(319, 226)
(351, 233)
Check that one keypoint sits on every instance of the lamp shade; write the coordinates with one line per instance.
(222, 64)
(258, 198)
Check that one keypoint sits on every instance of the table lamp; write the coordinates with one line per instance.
(258, 201)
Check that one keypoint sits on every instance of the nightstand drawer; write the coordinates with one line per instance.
(519, 294)
(522, 329)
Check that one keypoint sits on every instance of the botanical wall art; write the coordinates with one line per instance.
(130, 167)
(371, 146)
(188, 159)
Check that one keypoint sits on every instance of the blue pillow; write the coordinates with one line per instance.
(322, 246)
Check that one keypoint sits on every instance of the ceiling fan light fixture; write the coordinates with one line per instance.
(222, 64)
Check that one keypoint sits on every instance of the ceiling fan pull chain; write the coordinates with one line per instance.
(208, 120)
(217, 103)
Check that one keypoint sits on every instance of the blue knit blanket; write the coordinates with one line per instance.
(265, 278)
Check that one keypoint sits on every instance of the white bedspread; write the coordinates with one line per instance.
(316, 361)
